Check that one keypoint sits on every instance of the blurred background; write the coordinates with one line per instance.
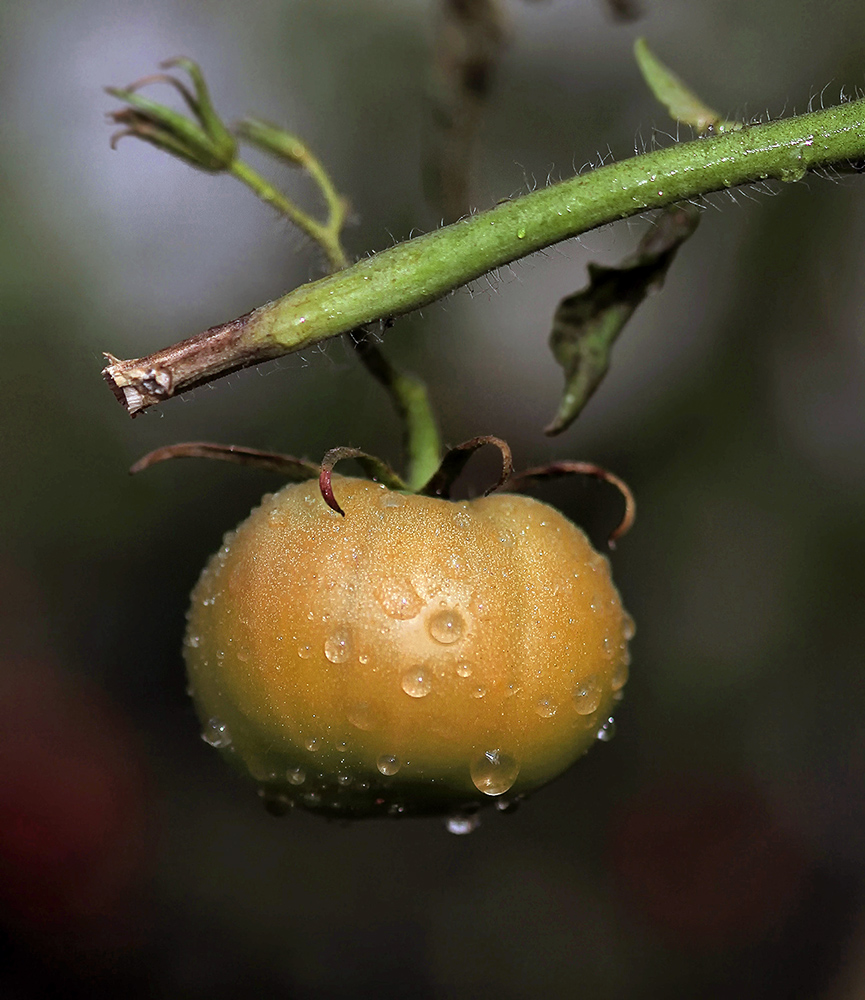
(716, 848)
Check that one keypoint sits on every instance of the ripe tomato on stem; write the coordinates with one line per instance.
(416, 656)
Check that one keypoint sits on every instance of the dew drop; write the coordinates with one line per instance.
(464, 670)
(509, 805)
(620, 676)
(399, 599)
(295, 775)
(462, 519)
(417, 683)
(312, 744)
(479, 692)
(304, 652)
(494, 772)
(461, 825)
(607, 730)
(587, 695)
(363, 659)
(193, 641)
(521, 234)
(629, 627)
(546, 707)
(392, 500)
(216, 733)
(362, 716)
(343, 780)
(337, 647)
(388, 764)
(446, 626)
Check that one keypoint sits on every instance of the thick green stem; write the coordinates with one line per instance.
(421, 270)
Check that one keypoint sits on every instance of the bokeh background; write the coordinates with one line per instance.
(715, 848)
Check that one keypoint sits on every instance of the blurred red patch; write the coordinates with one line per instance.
(72, 806)
(707, 865)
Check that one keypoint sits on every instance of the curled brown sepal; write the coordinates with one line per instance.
(556, 470)
(455, 461)
(294, 469)
(377, 470)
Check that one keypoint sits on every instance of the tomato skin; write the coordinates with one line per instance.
(418, 655)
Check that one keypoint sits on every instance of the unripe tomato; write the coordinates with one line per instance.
(415, 656)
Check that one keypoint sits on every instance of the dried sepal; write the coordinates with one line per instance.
(376, 469)
(557, 470)
(455, 460)
(294, 469)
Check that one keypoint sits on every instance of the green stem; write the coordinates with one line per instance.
(417, 272)
(421, 442)
(327, 236)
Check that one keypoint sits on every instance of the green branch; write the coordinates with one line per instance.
(415, 273)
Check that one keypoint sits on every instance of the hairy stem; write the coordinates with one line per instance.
(421, 270)
(327, 236)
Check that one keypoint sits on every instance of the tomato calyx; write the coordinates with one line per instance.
(439, 485)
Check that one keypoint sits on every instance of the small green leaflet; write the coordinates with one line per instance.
(587, 323)
(680, 101)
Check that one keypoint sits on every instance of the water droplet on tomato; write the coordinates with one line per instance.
(304, 651)
(312, 744)
(399, 599)
(546, 707)
(494, 772)
(337, 647)
(587, 694)
(462, 518)
(607, 730)
(479, 691)
(216, 733)
(464, 670)
(509, 805)
(461, 825)
(388, 764)
(417, 683)
(362, 716)
(392, 500)
(446, 626)
(629, 627)
(295, 775)
(620, 675)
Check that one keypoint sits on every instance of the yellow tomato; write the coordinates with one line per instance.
(415, 656)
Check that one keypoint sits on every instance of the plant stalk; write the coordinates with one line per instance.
(419, 271)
